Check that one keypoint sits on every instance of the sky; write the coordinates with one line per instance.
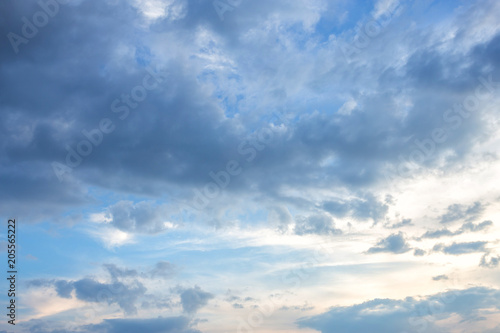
(247, 166)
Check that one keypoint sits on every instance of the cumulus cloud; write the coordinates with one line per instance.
(395, 243)
(315, 224)
(410, 314)
(402, 223)
(193, 299)
(466, 227)
(193, 122)
(92, 291)
(440, 277)
(153, 325)
(366, 207)
(418, 253)
(125, 296)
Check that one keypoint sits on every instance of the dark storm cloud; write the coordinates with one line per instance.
(410, 314)
(395, 243)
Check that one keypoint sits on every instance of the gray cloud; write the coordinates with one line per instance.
(410, 314)
(118, 273)
(163, 269)
(193, 299)
(489, 261)
(440, 277)
(418, 253)
(461, 212)
(125, 296)
(179, 133)
(366, 207)
(141, 217)
(461, 248)
(466, 227)
(154, 325)
(395, 243)
(315, 224)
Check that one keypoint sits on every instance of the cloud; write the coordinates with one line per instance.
(193, 299)
(315, 224)
(125, 296)
(489, 261)
(193, 122)
(141, 217)
(302, 308)
(395, 243)
(366, 207)
(410, 314)
(92, 291)
(461, 212)
(476, 227)
(438, 233)
(118, 273)
(403, 223)
(440, 277)
(163, 269)
(64, 288)
(466, 227)
(179, 324)
(461, 248)
(418, 252)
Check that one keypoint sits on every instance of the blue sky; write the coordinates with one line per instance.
(252, 166)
